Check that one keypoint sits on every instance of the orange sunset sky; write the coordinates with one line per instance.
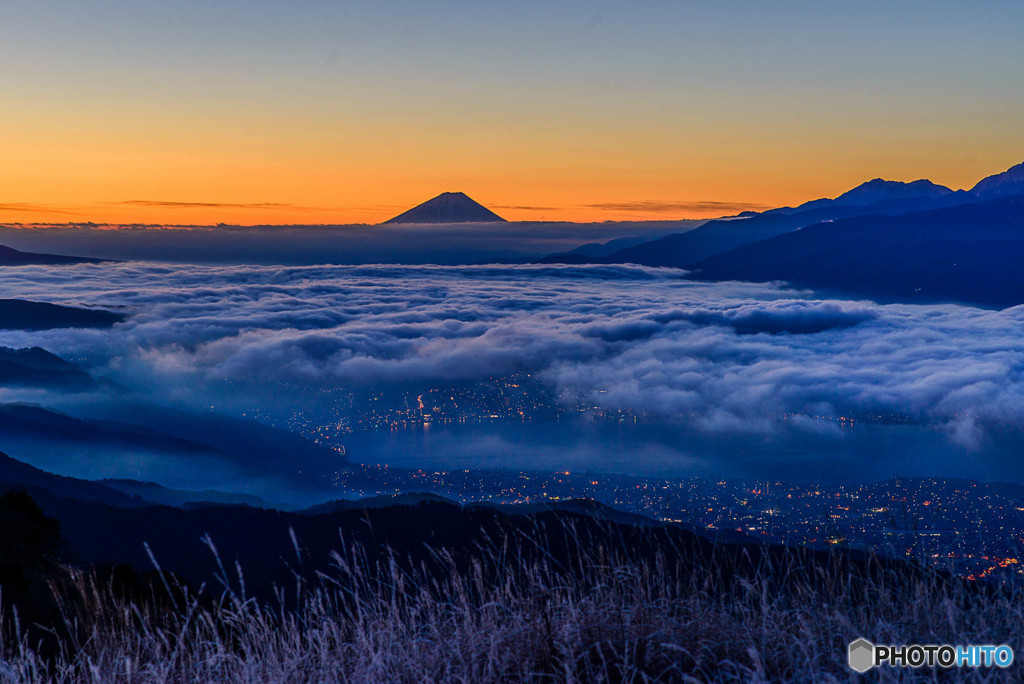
(316, 112)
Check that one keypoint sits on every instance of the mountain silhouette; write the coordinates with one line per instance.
(877, 197)
(969, 253)
(122, 427)
(16, 475)
(12, 257)
(35, 367)
(20, 314)
(448, 207)
(681, 250)
(1009, 182)
(880, 190)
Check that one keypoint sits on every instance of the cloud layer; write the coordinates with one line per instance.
(723, 359)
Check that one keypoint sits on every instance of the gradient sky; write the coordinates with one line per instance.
(333, 112)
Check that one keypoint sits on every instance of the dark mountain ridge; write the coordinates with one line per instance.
(681, 250)
(880, 190)
(874, 197)
(38, 368)
(181, 498)
(115, 431)
(14, 257)
(27, 421)
(968, 254)
(1007, 183)
(20, 314)
(35, 357)
(101, 526)
(145, 433)
(17, 475)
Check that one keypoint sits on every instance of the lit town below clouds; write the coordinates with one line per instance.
(974, 530)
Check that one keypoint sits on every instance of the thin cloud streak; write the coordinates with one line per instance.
(522, 207)
(214, 205)
(38, 208)
(659, 206)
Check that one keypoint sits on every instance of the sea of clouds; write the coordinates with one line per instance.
(732, 365)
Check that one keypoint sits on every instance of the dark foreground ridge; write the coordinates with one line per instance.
(102, 525)
(448, 207)
(422, 589)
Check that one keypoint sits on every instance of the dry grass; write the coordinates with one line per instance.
(608, 618)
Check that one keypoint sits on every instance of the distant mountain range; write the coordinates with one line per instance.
(20, 314)
(114, 425)
(969, 254)
(35, 367)
(125, 428)
(914, 241)
(448, 207)
(153, 493)
(12, 257)
(17, 475)
(1010, 182)
(879, 190)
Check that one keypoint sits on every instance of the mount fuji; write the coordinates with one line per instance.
(448, 207)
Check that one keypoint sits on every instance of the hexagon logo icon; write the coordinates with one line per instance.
(862, 655)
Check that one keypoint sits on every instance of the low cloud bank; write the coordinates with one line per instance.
(347, 244)
(723, 359)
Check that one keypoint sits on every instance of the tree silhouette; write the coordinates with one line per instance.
(28, 541)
